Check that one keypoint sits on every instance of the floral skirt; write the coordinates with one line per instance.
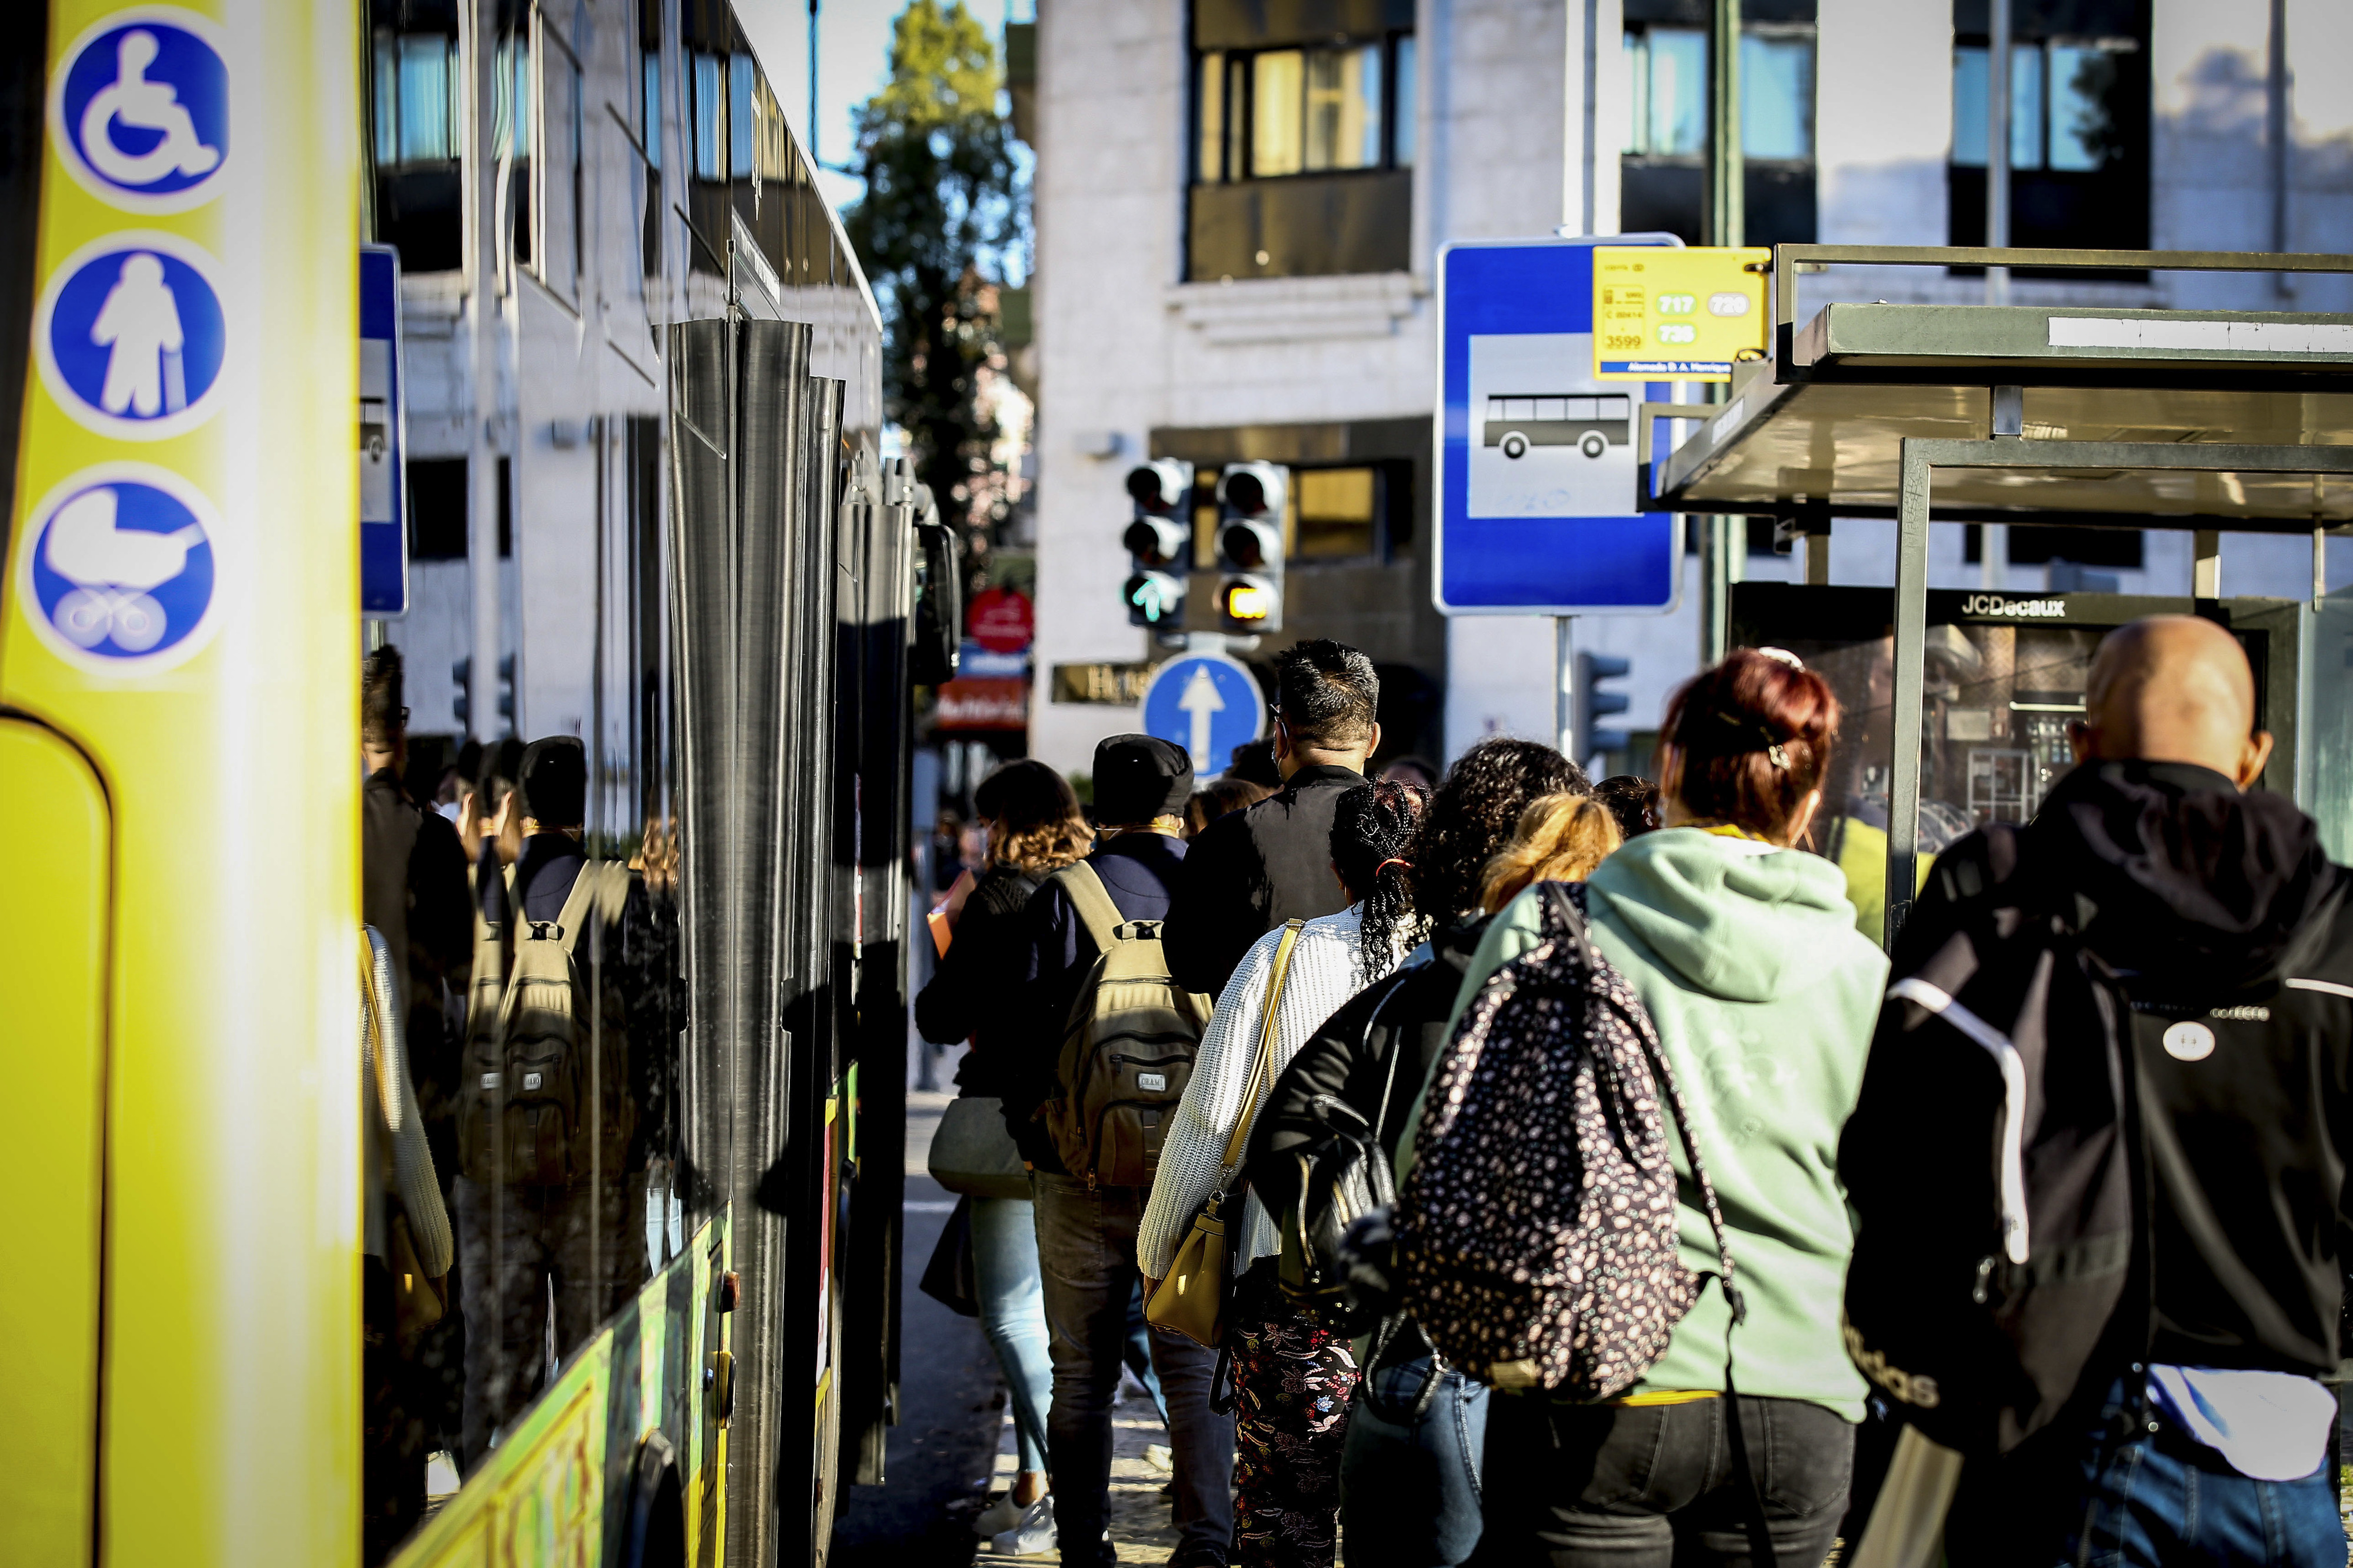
(1292, 1381)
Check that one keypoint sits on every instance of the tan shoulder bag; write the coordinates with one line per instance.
(1192, 1300)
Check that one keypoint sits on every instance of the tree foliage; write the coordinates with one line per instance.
(944, 198)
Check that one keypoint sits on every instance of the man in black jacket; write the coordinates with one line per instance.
(1252, 870)
(2199, 1429)
(1086, 1234)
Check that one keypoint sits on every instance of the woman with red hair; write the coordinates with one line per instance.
(1744, 951)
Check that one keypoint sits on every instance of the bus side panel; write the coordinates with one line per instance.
(53, 972)
(560, 1487)
(773, 364)
(885, 760)
(209, 670)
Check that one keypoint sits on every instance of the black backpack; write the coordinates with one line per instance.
(1989, 1159)
(1342, 1178)
(1537, 1230)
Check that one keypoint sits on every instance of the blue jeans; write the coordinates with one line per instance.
(1409, 1483)
(2122, 1495)
(1013, 1314)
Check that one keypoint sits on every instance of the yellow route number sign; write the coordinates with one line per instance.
(1663, 314)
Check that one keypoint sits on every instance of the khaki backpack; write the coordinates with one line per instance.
(1127, 1048)
(546, 1100)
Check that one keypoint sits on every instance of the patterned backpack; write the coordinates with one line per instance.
(1537, 1229)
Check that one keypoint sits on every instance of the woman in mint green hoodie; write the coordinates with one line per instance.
(1744, 949)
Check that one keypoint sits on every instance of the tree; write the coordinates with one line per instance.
(944, 198)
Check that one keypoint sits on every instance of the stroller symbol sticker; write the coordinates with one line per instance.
(141, 110)
(120, 572)
(130, 336)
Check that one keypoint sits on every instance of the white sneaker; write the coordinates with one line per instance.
(1158, 1457)
(1033, 1536)
(1000, 1516)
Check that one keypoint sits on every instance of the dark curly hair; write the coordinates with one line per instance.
(1472, 817)
(1370, 828)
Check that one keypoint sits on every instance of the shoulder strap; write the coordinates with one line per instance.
(1092, 902)
(573, 918)
(1262, 1071)
(1752, 1523)
(1395, 983)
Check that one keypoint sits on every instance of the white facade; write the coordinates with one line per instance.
(1507, 147)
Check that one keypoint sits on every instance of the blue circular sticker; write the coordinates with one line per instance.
(119, 573)
(130, 335)
(140, 109)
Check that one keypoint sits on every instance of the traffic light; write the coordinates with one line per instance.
(1159, 542)
(461, 675)
(1250, 501)
(1594, 704)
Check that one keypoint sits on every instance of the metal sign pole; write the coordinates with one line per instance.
(1564, 697)
(1908, 689)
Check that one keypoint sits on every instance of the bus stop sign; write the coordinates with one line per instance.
(1536, 455)
(384, 481)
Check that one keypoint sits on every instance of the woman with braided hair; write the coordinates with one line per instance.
(1292, 1374)
(1409, 1472)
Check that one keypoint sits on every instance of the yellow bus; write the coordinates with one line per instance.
(710, 577)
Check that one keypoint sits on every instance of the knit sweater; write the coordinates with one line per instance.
(1322, 975)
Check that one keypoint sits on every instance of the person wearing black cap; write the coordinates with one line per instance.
(576, 1243)
(1086, 1234)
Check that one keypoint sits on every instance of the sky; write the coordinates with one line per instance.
(854, 57)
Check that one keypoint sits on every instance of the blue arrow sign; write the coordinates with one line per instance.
(1535, 458)
(1207, 703)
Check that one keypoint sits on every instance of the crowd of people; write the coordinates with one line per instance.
(1671, 1205)
(518, 1098)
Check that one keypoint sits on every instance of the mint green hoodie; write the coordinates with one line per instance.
(1765, 997)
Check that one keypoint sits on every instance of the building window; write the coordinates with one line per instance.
(1777, 95)
(1401, 102)
(2030, 546)
(417, 96)
(2079, 98)
(416, 93)
(707, 109)
(556, 195)
(1268, 113)
(649, 135)
(743, 117)
(437, 508)
(1663, 174)
(1337, 513)
(1667, 68)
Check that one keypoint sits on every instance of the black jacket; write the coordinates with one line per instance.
(2222, 915)
(1137, 870)
(971, 992)
(1249, 871)
(1350, 1058)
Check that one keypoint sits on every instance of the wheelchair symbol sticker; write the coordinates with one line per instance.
(140, 111)
(119, 577)
(130, 335)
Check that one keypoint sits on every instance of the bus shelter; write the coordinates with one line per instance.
(2205, 421)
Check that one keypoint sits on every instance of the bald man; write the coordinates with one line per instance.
(2172, 1315)
(2173, 689)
